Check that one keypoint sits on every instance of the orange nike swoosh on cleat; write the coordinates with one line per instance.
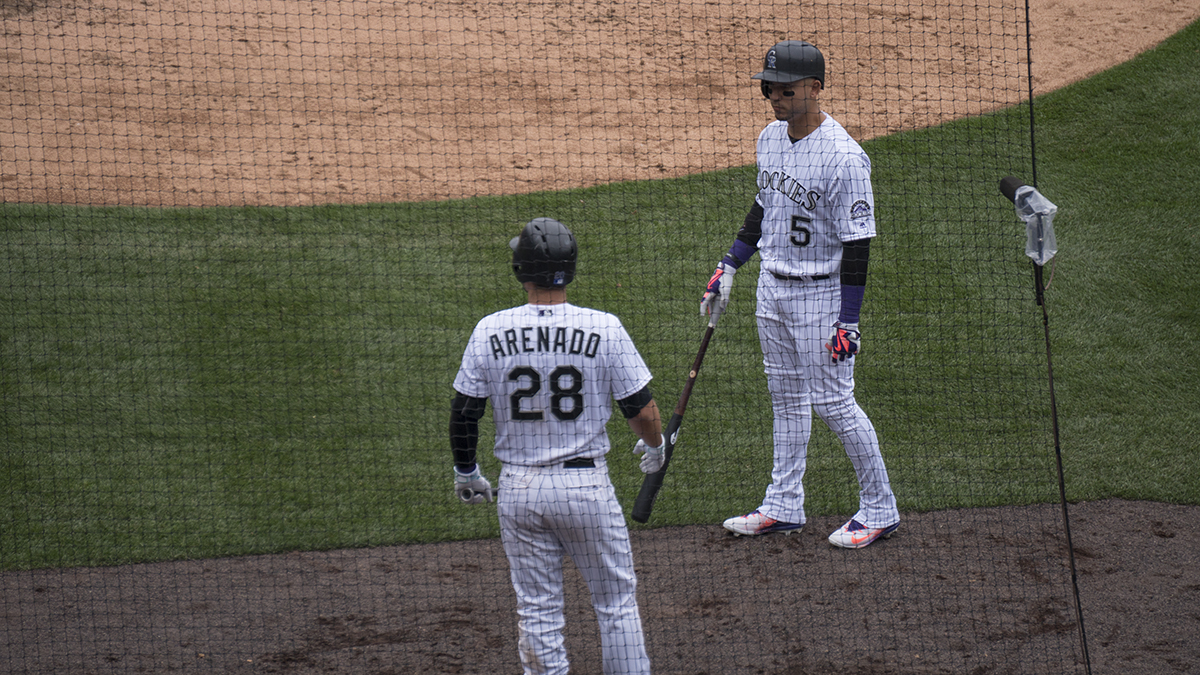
(858, 539)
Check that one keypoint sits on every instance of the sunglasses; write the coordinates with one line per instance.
(787, 93)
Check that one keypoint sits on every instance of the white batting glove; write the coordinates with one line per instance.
(844, 341)
(652, 458)
(716, 295)
(472, 488)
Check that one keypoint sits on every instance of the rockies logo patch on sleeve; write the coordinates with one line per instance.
(860, 209)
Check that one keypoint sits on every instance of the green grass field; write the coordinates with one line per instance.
(200, 382)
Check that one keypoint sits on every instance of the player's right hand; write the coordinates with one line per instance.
(716, 295)
(654, 458)
(472, 488)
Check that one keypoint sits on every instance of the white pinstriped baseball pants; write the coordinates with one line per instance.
(794, 322)
(546, 512)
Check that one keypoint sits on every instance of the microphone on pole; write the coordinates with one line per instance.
(1038, 214)
(1008, 187)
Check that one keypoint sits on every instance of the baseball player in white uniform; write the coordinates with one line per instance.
(812, 222)
(552, 371)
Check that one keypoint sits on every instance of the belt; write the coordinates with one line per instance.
(788, 277)
(581, 463)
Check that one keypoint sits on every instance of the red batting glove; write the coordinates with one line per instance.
(716, 294)
(844, 341)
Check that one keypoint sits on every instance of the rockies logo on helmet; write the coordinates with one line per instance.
(792, 60)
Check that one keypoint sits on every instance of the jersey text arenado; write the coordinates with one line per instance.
(524, 340)
(790, 187)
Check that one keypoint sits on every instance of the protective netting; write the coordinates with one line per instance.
(245, 244)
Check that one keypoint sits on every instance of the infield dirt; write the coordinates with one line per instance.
(235, 102)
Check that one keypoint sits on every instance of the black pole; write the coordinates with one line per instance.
(1062, 485)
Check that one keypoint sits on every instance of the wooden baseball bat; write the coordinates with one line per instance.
(653, 481)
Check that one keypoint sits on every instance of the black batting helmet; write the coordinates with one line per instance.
(544, 253)
(789, 61)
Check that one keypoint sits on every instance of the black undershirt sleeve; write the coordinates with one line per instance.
(854, 262)
(632, 405)
(465, 413)
(751, 230)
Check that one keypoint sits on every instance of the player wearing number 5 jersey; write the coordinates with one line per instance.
(552, 371)
(812, 222)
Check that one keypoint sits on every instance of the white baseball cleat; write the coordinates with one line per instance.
(856, 535)
(757, 523)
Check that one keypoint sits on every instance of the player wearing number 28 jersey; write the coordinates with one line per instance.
(552, 371)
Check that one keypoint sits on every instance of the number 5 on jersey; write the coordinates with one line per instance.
(801, 233)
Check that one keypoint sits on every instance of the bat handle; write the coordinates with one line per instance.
(468, 494)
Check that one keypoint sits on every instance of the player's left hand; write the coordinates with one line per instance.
(472, 488)
(844, 341)
(653, 458)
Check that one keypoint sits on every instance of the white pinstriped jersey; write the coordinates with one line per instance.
(815, 193)
(551, 373)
